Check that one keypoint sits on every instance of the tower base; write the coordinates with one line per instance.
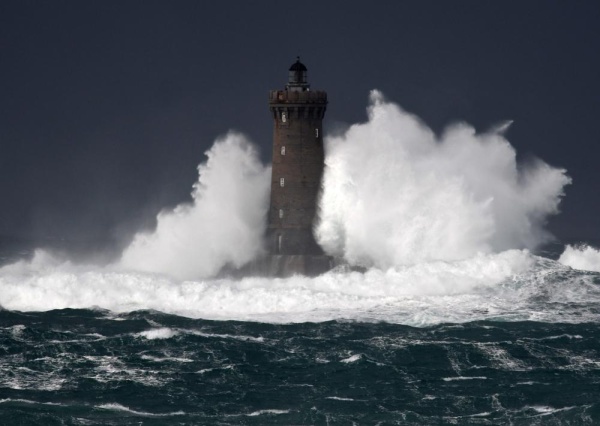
(286, 265)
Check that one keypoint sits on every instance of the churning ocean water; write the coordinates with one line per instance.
(454, 319)
(518, 344)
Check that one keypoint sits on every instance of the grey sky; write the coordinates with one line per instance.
(107, 107)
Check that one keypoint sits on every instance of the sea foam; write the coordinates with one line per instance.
(506, 286)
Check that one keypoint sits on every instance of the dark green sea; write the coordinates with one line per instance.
(94, 346)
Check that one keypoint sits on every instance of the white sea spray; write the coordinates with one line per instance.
(436, 220)
(583, 257)
(224, 224)
(396, 194)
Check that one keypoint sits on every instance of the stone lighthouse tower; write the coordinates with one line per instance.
(298, 161)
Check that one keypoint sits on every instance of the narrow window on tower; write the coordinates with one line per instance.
(316, 133)
(283, 117)
(280, 213)
(283, 150)
(282, 182)
(279, 238)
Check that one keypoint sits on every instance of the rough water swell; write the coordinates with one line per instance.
(454, 321)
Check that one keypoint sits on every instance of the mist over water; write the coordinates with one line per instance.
(443, 224)
(396, 194)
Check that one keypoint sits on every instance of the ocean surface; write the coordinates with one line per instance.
(516, 340)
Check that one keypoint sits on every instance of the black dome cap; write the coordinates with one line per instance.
(298, 66)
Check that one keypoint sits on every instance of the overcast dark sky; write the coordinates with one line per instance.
(106, 107)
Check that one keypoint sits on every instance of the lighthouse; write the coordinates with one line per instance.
(298, 162)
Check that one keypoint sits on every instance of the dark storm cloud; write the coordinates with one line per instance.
(106, 108)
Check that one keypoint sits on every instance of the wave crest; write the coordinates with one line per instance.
(582, 257)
